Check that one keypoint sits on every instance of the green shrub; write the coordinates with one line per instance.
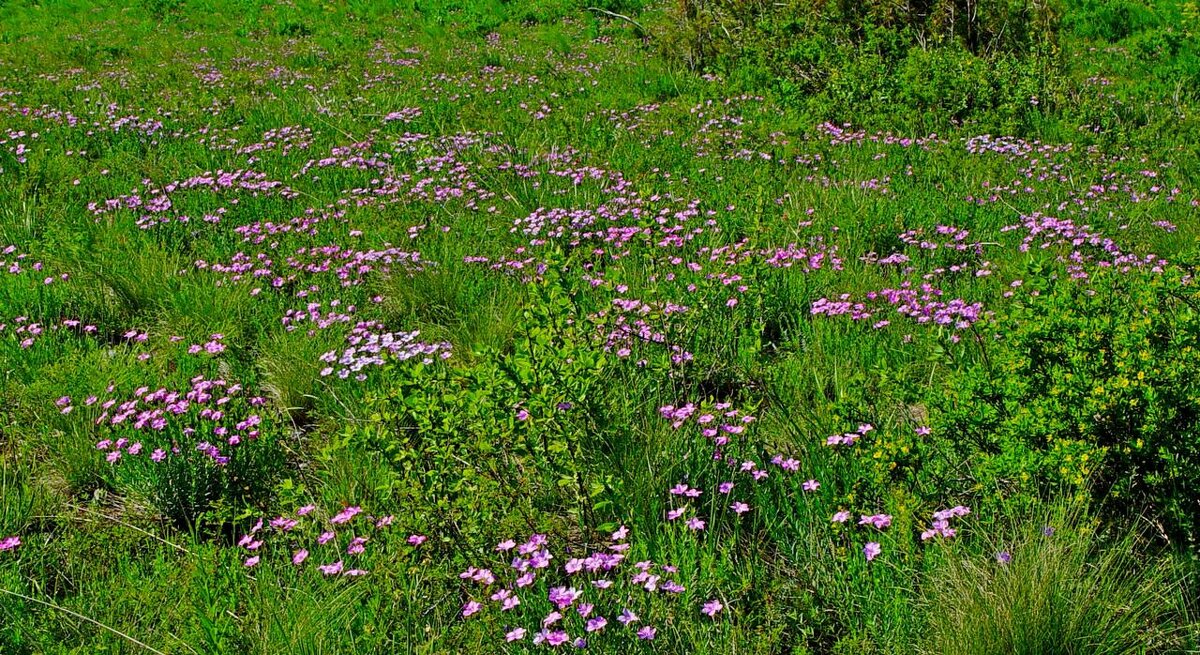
(939, 64)
(502, 435)
(1091, 383)
(1110, 20)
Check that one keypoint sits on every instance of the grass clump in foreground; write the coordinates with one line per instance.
(1056, 590)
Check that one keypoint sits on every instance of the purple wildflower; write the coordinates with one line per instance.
(712, 607)
(872, 550)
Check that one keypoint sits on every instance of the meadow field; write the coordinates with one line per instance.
(706, 327)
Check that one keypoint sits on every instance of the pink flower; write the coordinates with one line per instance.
(417, 539)
(841, 517)
(346, 514)
(253, 561)
(880, 521)
(332, 569)
(516, 634)
(563, 597)
(872, 550)
(790, 464)
(540, 559)
(299, 557)
(712, 607)
(471, 607)
(647, 633)
(810, 485)
(9, 543)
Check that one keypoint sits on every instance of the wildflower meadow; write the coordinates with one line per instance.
(634, 327)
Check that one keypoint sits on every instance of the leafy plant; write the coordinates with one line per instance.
(1095, 384)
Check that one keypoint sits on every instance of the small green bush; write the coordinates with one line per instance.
(1091, 383)
(507, 433)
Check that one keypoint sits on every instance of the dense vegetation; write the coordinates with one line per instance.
(709, 327)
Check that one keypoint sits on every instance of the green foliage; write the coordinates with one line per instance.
(982, 62)
(1092, 384)
(1110, 20)
(679, 196)
(510, 432)
(19, 500)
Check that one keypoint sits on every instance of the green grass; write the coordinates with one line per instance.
(1064, 590)
(602, 232)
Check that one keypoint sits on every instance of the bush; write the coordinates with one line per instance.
(1092, 383)
(875, 60)
(205, 447)
(507, 433)
(1110, 20)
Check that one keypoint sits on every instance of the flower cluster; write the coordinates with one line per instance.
(371, 346)
(940, 526)
(209, 416)
(849, 438)
(29, 332)
(341, 540)
(578, 602)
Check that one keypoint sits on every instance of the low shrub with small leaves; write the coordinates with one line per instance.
(1093, 384)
